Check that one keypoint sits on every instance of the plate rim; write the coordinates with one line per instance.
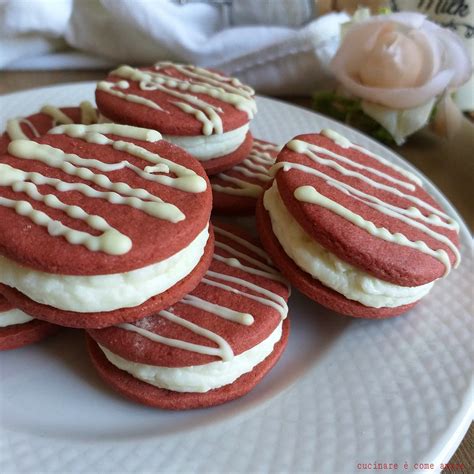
(460, 423)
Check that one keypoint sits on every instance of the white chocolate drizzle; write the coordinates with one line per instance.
(244, 187)
(244, 243)
(263, 269)
(314, 152)
(411, 215)
(15, 132)
(269, 298)
(310, 195)
(206, 113)
(58, 116)
(255, 166)
(224, 351)
(344, 142)
(230, 84)
(261, 146)
(262, 296)
(337, 138)
(125, 131)
(231, 315)
(110, 240)
(89, 113)
(198, 81)
(109, 87)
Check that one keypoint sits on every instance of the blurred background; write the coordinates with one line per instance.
(278, 46)
(273, 45)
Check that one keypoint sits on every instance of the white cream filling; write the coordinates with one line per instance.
(204, 147)
(198, 378)
(97, 293)
(353, 283)
(207, 147)
(12, 317)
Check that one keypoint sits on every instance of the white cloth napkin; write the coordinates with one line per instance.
(273, 59)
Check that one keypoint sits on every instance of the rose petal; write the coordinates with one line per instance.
(400, 123)
(432, 54)
(347, 60)
(448, 117)
(455, 56)
(445, 60)
(402, 98)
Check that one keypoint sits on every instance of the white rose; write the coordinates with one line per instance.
(398, 65)
(400, 60)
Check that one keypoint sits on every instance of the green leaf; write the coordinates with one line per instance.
(349, 111)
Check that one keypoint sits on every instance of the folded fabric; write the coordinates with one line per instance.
(274, 59)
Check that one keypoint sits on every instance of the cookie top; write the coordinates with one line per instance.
(238, 304)
(99, 199)
(236, 190)
(366, 210)
(175, 99)
(47, 118)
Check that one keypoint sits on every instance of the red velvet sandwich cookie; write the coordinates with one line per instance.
(101, 224)
(47, 118)
(18, 329)
(236, 190)
(214, 345)
(352, 230)
(202, 111)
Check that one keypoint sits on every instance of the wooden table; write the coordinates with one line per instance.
(448, 163)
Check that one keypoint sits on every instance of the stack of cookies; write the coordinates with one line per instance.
(105, 225)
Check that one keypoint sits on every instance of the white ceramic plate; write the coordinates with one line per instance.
(346, 392)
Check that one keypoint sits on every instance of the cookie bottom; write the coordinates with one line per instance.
(147, 394)
(19, 335)
(310, 286)
(109, 318)
(222, 163)
(231, 205)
